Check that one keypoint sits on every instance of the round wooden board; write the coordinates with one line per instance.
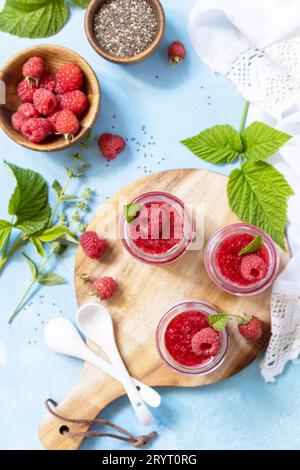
(145, 292)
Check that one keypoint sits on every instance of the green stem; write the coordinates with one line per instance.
(59, 200)
(17, 244)
(244, 116)
(27, 291)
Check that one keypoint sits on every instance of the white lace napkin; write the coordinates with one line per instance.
(256, 44)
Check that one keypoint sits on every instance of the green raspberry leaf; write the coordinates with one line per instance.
(29, 201)
(253, 246)
(262, 141)
(219, 144)
(50, 279)
(53, 233)
(131, 212)
(32, 266)
(38, 245)
(33, 18)
(218, 321)
(258, 194)
(57, 187)
(81, 3)
(5, 229)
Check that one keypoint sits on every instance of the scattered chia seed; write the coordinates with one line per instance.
(125, 28)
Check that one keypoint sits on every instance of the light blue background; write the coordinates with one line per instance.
(172, 103)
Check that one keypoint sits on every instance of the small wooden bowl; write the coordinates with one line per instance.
(89, 29)
(54, 56)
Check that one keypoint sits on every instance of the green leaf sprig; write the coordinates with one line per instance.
(131, 211)
(257, 192)
(36, 18)
(253, 246)
(47, 229)
(219, 321)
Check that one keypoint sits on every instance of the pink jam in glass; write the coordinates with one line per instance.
(246, 274)
(162, 230)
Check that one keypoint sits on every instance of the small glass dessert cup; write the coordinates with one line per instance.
(174, 336)
(224, 263)
(162, 230)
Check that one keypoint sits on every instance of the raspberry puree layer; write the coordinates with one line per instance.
(179, 334)
(229, 261)
(158, 228)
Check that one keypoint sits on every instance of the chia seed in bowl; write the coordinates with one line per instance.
(125, 28)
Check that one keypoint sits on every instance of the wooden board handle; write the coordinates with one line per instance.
(78, 405)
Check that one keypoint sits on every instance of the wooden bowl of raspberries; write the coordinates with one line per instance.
(52, 98)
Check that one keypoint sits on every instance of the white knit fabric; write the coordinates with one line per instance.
(257, 46)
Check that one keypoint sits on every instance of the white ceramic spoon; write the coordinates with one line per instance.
(95, 322)
(62, 337)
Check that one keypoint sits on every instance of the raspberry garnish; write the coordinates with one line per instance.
(252, 329)
(69, 78)
(74, 101)
(92, 245)
(253, 268)
(67, 124)
(111, 145)
(44, 101)
(176, 52)
(26, 90)
(34, 68)
(104, 287)
(47, 81)
(29, 110)
(36, 129)
(18, 120)
(206, 342)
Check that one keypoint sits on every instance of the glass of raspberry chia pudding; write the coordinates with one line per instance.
(187, 343)
(162, 230)
(241, 274)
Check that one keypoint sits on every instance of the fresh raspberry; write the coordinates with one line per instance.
(92, 245)
(59, 89)
(52, 120)
(18, 120)
(33, 68)
(74, 101)
(69, 78)
(253, 268)
(252, 329)
(104, 287)
(67, 124)
(29, 110)
(111, 145)
(44, 101)
(26, 90)
(36, 129)
(47, 81)
(176, 52)
(206, 342)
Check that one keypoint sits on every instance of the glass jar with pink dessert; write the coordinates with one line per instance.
(187, 343)
(159, 229)
(241, 259)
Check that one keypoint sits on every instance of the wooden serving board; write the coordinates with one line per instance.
(145, 292)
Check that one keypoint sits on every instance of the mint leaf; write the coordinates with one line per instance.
(219, 144)
(218, 321)
(5, 229)
(81, 3)
(32, 266)
(33, 18)
(37, 245)
(29, 201)
(52, 233)
(50, 279)
(57, 187)
(131, 212)
(253, 246)
(262, 141)
(258, 195)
